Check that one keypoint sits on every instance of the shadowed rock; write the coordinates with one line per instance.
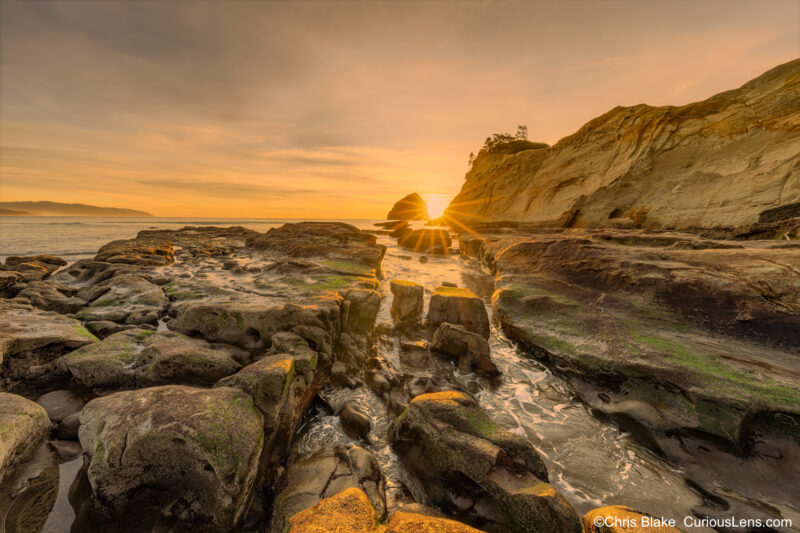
(30, 337)
(426, 240)
(470, 350)
(411, 207)
(458, 306)
(23, 424)
(407, 302)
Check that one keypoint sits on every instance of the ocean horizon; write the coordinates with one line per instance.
(75, 237)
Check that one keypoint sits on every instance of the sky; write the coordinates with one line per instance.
(335, 109)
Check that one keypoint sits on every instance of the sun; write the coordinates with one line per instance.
(437, 203)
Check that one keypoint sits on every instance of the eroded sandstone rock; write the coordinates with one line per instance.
(720, 162)
(407, 302)
(411, 207)
(458, 306)
(350, 510)
(470, 350)
(23, 425)
(471, 466)
(324, 474)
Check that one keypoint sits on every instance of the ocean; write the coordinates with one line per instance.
(74, 238)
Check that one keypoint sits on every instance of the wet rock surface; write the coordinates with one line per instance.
(475, 469)
(458, 306)
(660, 331)
(23, 424)
(324, 398)
(197, 445)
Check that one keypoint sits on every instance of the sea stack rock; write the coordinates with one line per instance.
(412, 207)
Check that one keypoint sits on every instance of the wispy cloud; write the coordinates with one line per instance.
(281, 108)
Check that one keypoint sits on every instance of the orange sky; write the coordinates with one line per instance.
(335, 110)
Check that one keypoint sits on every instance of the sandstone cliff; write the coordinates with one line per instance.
(715, 163)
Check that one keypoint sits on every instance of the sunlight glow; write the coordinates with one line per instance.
(437, 203)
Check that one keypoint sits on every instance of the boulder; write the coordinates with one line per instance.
(23, 425)
(621, 519)
(107, 365)
(169, 357)
(31, 337)
(199, 445)
(33, 267)
(407, 301)
(472, 466)
(127, 299)
(52, 296)
(355, 421)
(268, 382)
(305, 359)
(350, 510)
(60, 404)
(139, 358)
(470, 350)
(323, 474)
(411, 207)
(143, 252)
(427, 240)
(458, 306)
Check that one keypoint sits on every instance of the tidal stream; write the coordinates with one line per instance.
(590, 461)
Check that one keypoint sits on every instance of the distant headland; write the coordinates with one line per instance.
(65, 210)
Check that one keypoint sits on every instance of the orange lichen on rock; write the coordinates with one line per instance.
(350, 511)
(347, 512)
(402, 522)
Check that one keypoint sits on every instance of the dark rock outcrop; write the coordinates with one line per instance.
(470, 350)
(411, 207)
(426, 240)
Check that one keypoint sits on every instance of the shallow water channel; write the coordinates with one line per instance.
(591, 462)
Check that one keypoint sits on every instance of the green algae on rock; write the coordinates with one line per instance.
(448, 441)
(201, 445)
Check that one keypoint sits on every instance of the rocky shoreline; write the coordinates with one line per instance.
(179, 367)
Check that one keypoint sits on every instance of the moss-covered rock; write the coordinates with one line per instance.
(458, 306)
(23, 424)
(501, 482)
(30, 337)
(407, 301)
(170, 442)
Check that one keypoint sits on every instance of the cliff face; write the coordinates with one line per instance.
(715, 163)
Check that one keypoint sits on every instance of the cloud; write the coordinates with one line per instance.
(308, 101)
